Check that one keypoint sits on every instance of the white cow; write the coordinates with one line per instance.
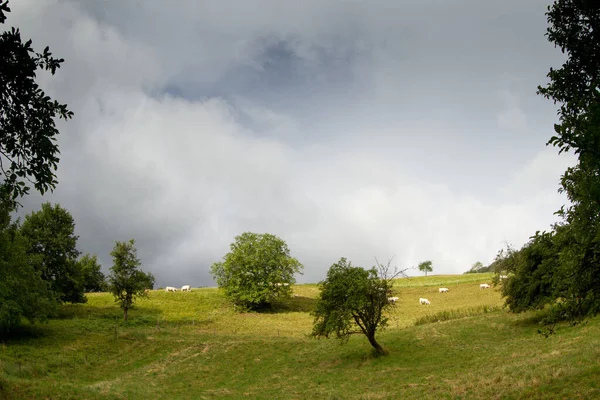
(186, 288)
(424, 301)
(393, 299)
(484, 286)
(502, 277)
(443, 290)
(170, 289)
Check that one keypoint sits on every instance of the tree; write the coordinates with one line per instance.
(93, 278)
(126, 281)
(52, 244)
(425, 266)
(257, 270)
(353, 301)
(23, 292)
(533, 267)
(565, 263)
(28, 148)
(476, 268)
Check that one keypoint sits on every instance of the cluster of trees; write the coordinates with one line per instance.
(259, 270)
(40, 266)
(479, 268)
(560, 268)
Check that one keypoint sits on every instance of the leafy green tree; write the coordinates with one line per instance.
(426, 266)
(532, 269)
(353, 301)
(127, 281)
(566, 262)
(23, 293)
(28, 148)
(476, 268)
(52, 245)
(257, 270)
(93, 278)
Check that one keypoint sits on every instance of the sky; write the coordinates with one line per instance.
(404, 129)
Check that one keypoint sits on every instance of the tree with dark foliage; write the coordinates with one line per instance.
(353, 301)
(127, 281)
(53, 247)
(28, 148)
(566, 262)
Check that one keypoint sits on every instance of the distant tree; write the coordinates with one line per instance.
(353, 301)
(257, 270)
(425, 266)
(52, 245)
(28, 148)
(477, 266)
(93, 278)
(126, 280)
(23, 293)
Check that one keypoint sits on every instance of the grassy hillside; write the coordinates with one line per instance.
(195, 346)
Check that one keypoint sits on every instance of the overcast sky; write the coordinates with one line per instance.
(355, 128)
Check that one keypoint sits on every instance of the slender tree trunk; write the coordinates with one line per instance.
(376, 346)
(125, 314)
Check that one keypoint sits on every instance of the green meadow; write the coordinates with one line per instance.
(196, 346)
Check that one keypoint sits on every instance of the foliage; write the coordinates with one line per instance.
(52, 245)
(353, 301)
(562, 268)
(532, 269)
(257, 271)
(28, 148)
(126, 281)
(93, 278)
(23, 293)
(478, 268)
(426, 266)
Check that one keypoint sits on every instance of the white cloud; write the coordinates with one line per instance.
(373, 155)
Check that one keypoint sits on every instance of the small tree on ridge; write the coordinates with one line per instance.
(425, 266)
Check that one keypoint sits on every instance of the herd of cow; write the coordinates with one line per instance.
(424, 301)
(184, 288)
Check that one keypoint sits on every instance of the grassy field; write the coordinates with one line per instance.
(195, 346)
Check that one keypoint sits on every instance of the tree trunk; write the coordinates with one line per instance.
(125, 314)
(378, 349)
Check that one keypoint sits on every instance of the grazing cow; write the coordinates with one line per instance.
(393, 300)
(146, 290)
(170, 289)
(443, 290)
(424, 301)
(186, 288)
(484, 286)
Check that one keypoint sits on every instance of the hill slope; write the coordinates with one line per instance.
(194, 345)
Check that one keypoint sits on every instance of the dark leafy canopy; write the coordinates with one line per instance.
(353, 301)
(28, 148)
(566, 262)
(23, 292)
(126, 281)
(426, 266)
(53, 247)
(93, 278)
(257, 270)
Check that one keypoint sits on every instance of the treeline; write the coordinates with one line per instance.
(560, 269)
(42, 265)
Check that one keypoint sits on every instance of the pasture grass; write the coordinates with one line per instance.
(196, 346)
